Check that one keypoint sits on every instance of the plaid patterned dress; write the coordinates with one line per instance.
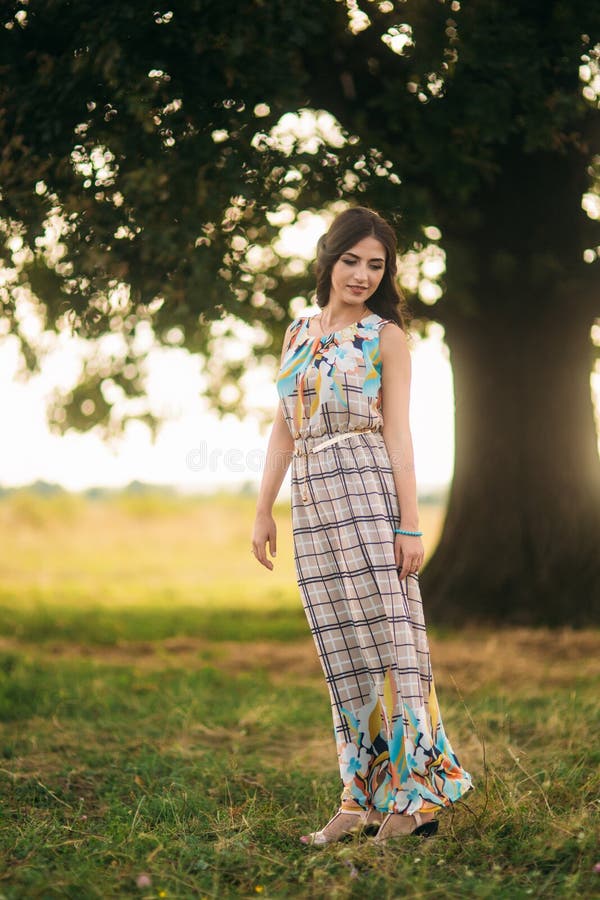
(367, 625)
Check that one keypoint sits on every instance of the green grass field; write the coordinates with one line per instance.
(166, 728)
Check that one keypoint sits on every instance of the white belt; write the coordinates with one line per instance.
(333, 440)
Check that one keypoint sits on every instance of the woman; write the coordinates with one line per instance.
(343, 421)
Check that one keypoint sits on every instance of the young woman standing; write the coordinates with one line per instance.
(343, 423)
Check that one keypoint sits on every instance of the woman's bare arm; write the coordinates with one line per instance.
(279, 455)
(396, 375)
(396, 371)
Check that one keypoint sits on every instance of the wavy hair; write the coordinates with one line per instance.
(346, 230)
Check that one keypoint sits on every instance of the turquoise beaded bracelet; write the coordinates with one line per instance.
(413, 533)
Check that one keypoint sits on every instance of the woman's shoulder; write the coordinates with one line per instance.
(393, 340)
(295, 325)
(379, 322)
(291, 331)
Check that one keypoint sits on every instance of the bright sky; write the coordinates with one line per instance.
(195, 451)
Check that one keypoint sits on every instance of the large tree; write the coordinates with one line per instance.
(149, 141)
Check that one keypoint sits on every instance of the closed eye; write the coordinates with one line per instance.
(351, 262)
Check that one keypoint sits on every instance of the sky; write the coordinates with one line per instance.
(195, 451)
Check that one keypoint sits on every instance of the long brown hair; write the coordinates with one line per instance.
(346, 230)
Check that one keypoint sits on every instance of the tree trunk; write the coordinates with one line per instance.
(521, 540)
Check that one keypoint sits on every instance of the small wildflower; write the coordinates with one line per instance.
(259, 888)
(83, 818)
(162, 893)
(596, 868)
(143, 880)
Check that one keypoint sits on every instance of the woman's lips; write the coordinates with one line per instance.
(356, 290)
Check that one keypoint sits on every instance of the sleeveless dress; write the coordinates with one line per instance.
(368, 626)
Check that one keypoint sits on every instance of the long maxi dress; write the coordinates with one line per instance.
(367, 624)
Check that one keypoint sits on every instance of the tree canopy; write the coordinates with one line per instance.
(154, 145)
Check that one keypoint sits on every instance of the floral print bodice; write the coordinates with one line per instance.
(332, 383)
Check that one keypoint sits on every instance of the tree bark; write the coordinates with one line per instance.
(521, 540)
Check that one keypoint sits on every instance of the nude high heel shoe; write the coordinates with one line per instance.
(338, 830)
(423, 828)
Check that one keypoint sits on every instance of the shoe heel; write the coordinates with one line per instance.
(427, 829)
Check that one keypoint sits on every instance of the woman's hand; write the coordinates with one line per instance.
(265, 530)
(408, 552)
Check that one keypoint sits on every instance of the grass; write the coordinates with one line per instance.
(191, 752)
(141, 567)
(147, 567)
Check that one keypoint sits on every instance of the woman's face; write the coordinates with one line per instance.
(357, 273)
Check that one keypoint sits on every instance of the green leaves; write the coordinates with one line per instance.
(151, 134)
